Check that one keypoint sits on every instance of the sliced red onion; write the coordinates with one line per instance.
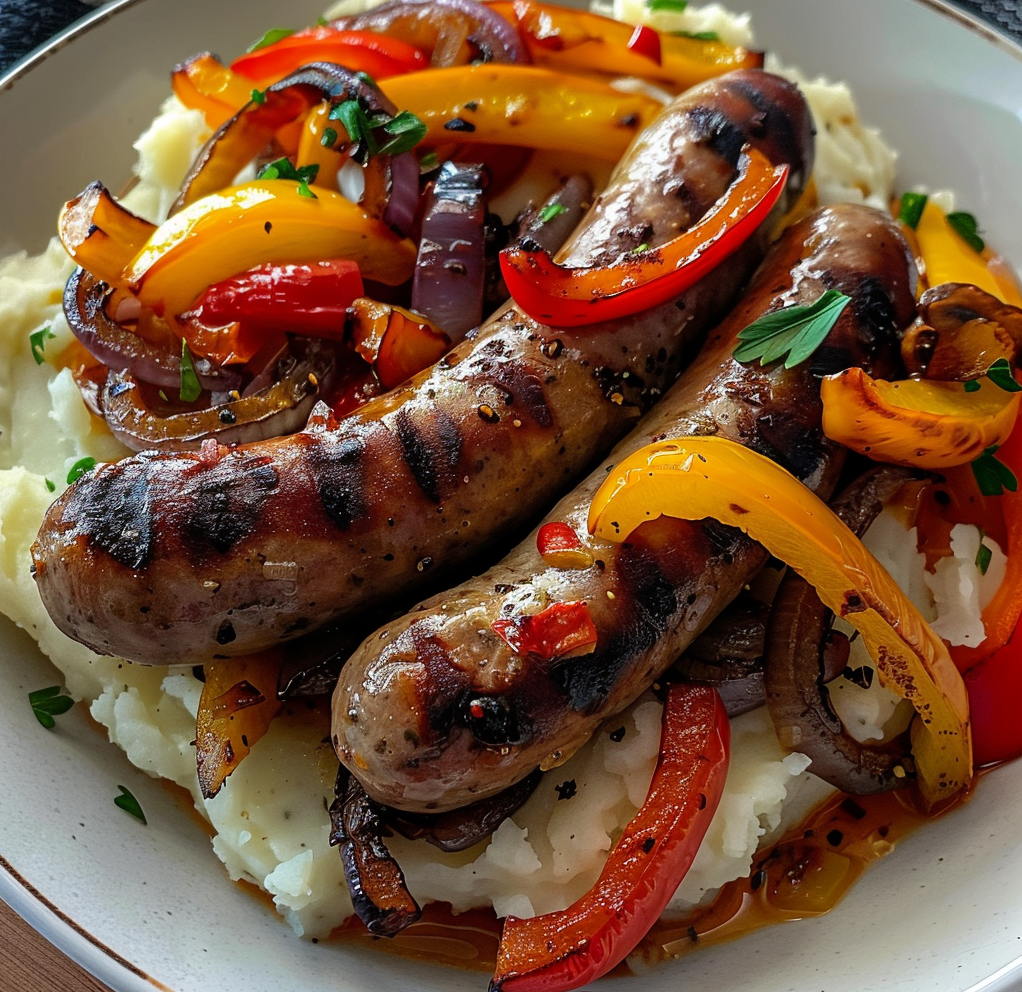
(441, 27)
(450, 271)
(403, 200)
(121, 349)
(282, 408)
(239, 140)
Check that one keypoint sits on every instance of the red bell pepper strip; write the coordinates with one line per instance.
(644, 278)
(360, 51)
(995, 687)
(645, 42)
(564, 630)
(561, 951)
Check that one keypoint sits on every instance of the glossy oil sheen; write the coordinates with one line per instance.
(150, 907)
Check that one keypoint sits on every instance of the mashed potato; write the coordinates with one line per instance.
(269, 825)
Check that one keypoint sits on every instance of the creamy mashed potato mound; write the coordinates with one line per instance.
(269, 821)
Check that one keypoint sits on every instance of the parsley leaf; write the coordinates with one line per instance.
(671, 6)
(406, 131)
(329, 137)
(983, 556)
(48, 703)
(129, 804)
(283, 168)
(51, 486)
(550, 211)
(271, 36)
(795, 331)
(258, 96)
(37, 340)
(190, 387)
(992, 476)
(429, 161)
(911, 208)
(965, 226)
(1000, 374)
(80, 467)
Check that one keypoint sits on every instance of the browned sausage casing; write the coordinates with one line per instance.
(177, 557)
(435, 711)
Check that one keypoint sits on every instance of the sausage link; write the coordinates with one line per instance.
(175, 558)
(435, 710)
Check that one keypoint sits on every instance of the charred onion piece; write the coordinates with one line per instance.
(462, 828)
(454, 32)
(450, 271)
(281, 408)
(960, 332)
(379, 895)
(239, 140)
(731, 647)
(122, 349)
(796, 644)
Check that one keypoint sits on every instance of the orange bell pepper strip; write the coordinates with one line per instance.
(579, 41)
(100, 234)
(360, 51)
(570, 297)
(702, 477)
(561, 951)
(916, 422)
(204, 83)
(522, 105)
(255, 223)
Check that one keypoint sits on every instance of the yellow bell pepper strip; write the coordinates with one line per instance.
(359, 51)
(204, 83)
(523, 106)
(916, 422)
(560, 951)
(319, 145)
(948, 257)
(717, 478)
(571, 297)
(252, 224)
(579, 41)
(237, 705)
(100, 234)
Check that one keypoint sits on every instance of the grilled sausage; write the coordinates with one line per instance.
(435, 710)
(175, 558)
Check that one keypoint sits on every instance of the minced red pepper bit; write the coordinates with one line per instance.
(563, 630)
(560, 546)
(646, 277)
(565, 950)
(646, 42)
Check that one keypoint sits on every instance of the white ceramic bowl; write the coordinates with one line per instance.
(150, 907)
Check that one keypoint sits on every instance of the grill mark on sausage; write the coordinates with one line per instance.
(431, 450)
(714, 128)
(339, 474)
(769, 119)
(117, 516)
(224, 502)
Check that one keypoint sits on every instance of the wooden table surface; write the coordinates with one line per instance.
(30, 963)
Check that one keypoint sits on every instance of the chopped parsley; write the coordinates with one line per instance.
(80, 467)
(670, 6)
(992, 476)
(400, 134)
(258, 96)
(965, 226)
(429, 161)
(328, 138)
(49, 703)
(697, 35)
(190, 387)
(911, 209)
(795, 332)
(550, 211)
(129, 804)
(51, 486)
(1000, 374)
(283, 168)
(271, 37)
(37, 340)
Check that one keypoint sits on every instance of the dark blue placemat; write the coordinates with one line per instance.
(25, 24)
